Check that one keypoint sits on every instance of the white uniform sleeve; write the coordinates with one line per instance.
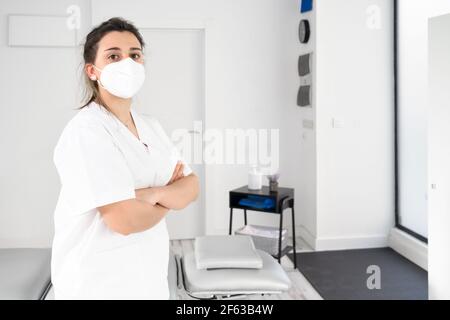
(92, 170)
(187, 170)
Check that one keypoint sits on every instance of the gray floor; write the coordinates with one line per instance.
(369, 274)
(301, 289)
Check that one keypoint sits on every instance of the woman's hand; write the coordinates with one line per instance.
(177, 173)
(151, 195)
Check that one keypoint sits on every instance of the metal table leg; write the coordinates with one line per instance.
(293, 233)
(279, 238)
(231, 219)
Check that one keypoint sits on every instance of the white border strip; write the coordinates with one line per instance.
(409, 247)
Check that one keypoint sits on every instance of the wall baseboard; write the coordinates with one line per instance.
(351, 243)
(341, 243)
(409, 247)
(34, 242)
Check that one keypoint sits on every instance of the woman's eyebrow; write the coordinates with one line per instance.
(113, 48)
(117, 48)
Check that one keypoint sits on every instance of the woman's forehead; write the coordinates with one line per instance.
(123, 40)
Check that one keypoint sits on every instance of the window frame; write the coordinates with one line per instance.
(396, 130)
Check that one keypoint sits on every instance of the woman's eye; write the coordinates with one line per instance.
(113, 57)
(136, 56)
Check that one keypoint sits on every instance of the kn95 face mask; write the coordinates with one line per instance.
(123, 78)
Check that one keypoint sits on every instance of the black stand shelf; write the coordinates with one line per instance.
(283, 198)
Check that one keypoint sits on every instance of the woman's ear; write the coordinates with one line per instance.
(90, 71)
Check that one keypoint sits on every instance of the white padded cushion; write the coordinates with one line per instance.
(226, 251)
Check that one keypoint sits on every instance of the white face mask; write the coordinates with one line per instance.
(122, 79)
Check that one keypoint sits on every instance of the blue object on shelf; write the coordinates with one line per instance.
(257, 202)
(307, 5)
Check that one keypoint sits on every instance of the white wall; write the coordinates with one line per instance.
(343, 200)
(354, 88)
(250, 83)
(439, 158)
(250, 66)
(300, 140)
(38, 91)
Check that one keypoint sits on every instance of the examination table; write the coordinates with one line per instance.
(24, 273)
(225, 267)
(220, 267)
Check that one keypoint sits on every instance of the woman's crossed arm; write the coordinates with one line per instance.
(151, 204)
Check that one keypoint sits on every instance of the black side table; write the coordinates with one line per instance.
(283, 198)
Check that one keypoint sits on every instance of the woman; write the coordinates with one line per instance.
(120, 176)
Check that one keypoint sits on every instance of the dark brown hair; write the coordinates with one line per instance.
(90, 52)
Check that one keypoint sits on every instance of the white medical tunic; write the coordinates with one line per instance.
(99, 161)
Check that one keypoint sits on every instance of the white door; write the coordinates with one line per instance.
(174, 94)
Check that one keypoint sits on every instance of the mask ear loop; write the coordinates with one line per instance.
(95, 77)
